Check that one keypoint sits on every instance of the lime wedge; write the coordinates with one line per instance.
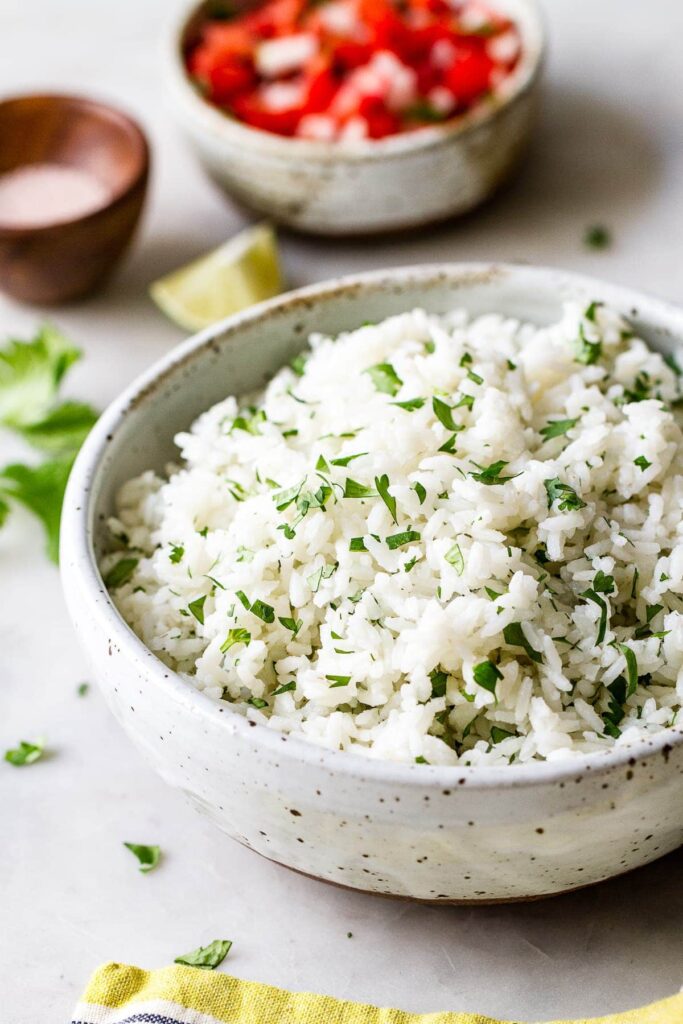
(242, 272)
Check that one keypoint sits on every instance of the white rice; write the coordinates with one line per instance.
(479, 639)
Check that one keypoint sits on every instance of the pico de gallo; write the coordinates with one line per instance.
(334, 70)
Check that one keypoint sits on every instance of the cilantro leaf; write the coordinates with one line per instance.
(196, 608)
(398, 540)
(347, 458)
(236, 636)
(410, 404)
(148, 856)
(207, 958)
(352, 489)
(454, 558)
(631, 669)
(385, 378)
(62, 430)
(557, 428)
(25, 753)
(642, 463)
(591, 595)
(382, 485)
(30, 375)
(439, 682)
(444, 414)
(566, 497)
(498, 734)
(515, 636)
(120, 573)
(603, 584)
(487, 674)
(41, 489)
(491, 474)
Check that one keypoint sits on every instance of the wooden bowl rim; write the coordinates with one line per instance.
(104, 112)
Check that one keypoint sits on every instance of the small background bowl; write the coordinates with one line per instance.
(399, 182)
(68, 259)
(446, 834)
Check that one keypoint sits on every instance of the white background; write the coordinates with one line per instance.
(610, 149)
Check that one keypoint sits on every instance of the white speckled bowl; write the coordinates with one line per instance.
(429, 833)
(398, 182)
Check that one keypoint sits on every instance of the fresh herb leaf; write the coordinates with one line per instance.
(449, 445)
(293, 625)
(491, 474)
(258, 702)
(298, 363)
(196, 608)
(444, 414)
(236, 636)
(385, 378)
(243, 600)
(486, 674)
(566, 497)
(30, 375)
(557, 428)
(323, 573)
(263, 611)
(410, 404)
(642, 463)
(352, 489)
(357, 544)
(597, 236)
(603, 584)
(420, 491)
(515, 636)
(120, 573)
(177, 552)
(498, 734)
(347, 458)
(591, 595)
(439, 682)
(454, 558)
(586, 352)
(631, 669)
(206, 957)
(671, 362)
(382, 485)
(25, 753)
(474, 377)
(285, 688)
(82, 689)
(338, 681)
(62, 430)
(493, 595)
(41, 490)
(398, 540)
(148, 856)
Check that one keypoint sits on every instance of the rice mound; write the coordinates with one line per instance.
(434, 539)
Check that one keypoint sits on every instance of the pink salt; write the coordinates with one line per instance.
(37, 195)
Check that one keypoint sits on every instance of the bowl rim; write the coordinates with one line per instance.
(104, 111)
(217, 124)
(79, 564)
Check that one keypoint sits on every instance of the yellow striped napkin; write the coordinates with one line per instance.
(118, 994)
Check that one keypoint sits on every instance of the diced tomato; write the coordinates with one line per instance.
(371, 65)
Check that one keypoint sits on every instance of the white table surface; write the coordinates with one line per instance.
(609, 149)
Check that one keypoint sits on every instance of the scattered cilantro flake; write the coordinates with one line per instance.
(566, 497)
(285, 498)
(444, 414)
(631, 669)
(449, 445)
(298, 363)
(498, 734)
(420, 490)
(591, 595)
(410, 564)
(385, 378)
(398, 540)
(671, 362)
(439, 682)
(454, 557)
(411, 404)
(587, 352)
(293, 625)
(120, 573)
(322, 465)
(515, 636)
(148, 856)
(177, 552)
(258, 702)
(603, 584)
(357, 544)
(196, 608)
(466, 401)
(597, 236)
(486, 674)
(491, 474)
(642, 463)
(382, 485)
(263, 611)
(421, 760)
(352, 489)
(25, 753)
(82, 689)
(511, 365)
(347, 458)
(206, 957)
(243, 600)
(338, 681)
(244, 554)
(236, 636)
(592, 310)
(474, 377)
(557, 428)
(493, 595)
(323, 573)
(285, 688)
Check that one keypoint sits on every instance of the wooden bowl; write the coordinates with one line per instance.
(69, 259)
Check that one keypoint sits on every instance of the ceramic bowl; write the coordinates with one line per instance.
(398, 182)
(429, 833)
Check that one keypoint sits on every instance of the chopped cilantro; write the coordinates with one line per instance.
(298, 363)
(631, 669)
(347, 458)
(206, 957)
(285, 688)
(486, 674)
(258, 702)
(41, 490)
(597, 236)
(338, 681)
(454, 557)
(515, 636)
(498, 734)
(293, 625)
(177, 552)
(398, 540)
(444, 414)
(566, 497)
(263, 611)
(491, 474)
(196, 608)
(382, 485)
(474, 377)
(82, 689)
(352, 489)
(586, 352)
(25, 753)
(557, 428)
(420, 491)
(439, 682)
(357, 544)
(642, 463)
(236, 636)
(120, 573)
(671, 362)
(493, 595)
(411, 404)
(591, 595)
(243, 599)
(603, 584)
(323, 573)
(385, 378)
(148, 856)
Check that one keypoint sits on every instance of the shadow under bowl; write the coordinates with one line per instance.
(70, 258)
